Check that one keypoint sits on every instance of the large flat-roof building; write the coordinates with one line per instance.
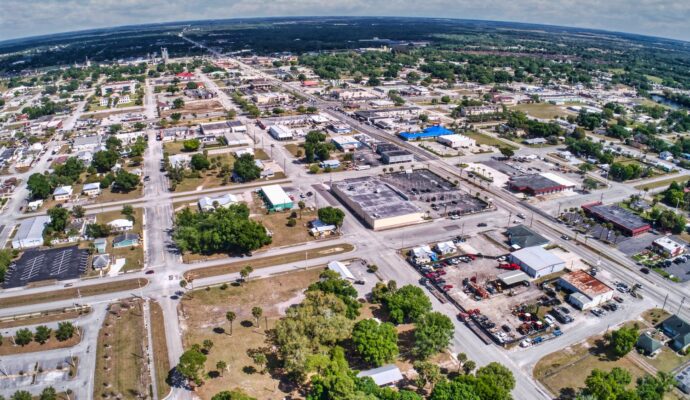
(537, 262)
(521, 236)
(379, 205)
(668, 247)
(276, 198)
(30, 232)
(456, 141)
(622, 219)
(539, 184)
(280, 132)
(586, 291)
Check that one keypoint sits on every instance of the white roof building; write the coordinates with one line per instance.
(121, 224)
(279, 132)
(383, 376)
(446, 247)
(30, 232)
(537, 262)
(456, 141)
(342, 270)
(62, 191)
(207, 203)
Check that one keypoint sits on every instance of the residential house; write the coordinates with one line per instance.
(445, 248)
(126, 240)
(318, 228)
(91, 189)
(207, 203)
(100, 244)
(388, 375)
(62, 193)
(121, 225)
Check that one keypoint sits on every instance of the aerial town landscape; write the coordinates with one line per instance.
(345, 208)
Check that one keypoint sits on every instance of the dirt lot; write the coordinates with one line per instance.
(203, 317)
(121, 359)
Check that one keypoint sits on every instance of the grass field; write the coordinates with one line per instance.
(120, 356)
(487, 140)
(204, 315)
(160, 349)
(43, 317)
(8, 348)
(284, 235)
(269, 261)
(72, 293)
(662, 183)
(543, 110)
(173, 148)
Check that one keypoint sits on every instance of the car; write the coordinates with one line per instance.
(149, 272)
(549, 319)
(565, 237)
(309, 194)
(644, 270)
(521, 216)
(505, 327)
(482, 224)
(618, 299)
(147, 178)
(564, 310)
(360, 282)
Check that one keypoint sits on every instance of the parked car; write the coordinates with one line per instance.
(481, 224)
(644, 270)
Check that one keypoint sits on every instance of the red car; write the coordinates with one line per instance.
(446, 288)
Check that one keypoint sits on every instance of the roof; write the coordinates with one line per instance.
(100, 261)
(432, 131)
(523, 236)
(223, 200)
(617, 215)
(558, 179)
(668, 244)
(341, 269)
(446, 246)
(275, 195)
(121, 223)
(512, 277)
(100, 241)
(647, 343)
(62, 190)
(382, 376)
(533, 182)
(586, 283)
(32, 228)
(375, 198)
(125, 237)
(536, 257)
(91, 186)
(280, 131)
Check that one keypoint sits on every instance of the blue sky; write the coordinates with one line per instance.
(665, 18)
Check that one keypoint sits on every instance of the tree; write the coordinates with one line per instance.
(256, 313)
(260, 359)
(39, 186)
(42, 334)
(246, 169)
(178, 103)
(654, 387)
(78, 211)
(207, 345)
(453, 390)
(23, 337)
(230, 316)
(427, 374)
(302, 205)
(331, 216)
(507, 152)
(104, 160)
(125, 181)
(48, 393)
(65, 331)
(233, 395)
(21, 395)
(494, 382)
(245, 272)
(433, 332)
(408, 303)
(191, 364)
(468, 367)
(113, 144)
(221, 366)
(59, 217)
(623, 340)
(607, 385)
(98, 230)
(376, 343)
(191, 145)
(200, 162)
(331, 282)
(313, 169)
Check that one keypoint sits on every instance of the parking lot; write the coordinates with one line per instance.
(20, 374)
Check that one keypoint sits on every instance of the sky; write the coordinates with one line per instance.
(664, 18)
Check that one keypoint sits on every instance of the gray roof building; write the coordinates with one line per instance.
(30, 232)
(522, 236)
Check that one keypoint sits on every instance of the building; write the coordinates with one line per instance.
(667, 247)
(509, 279)
(470, 111)
(340, 128)
(683, 380)
(280, 132)
(100, 261)
(397, 156)
(30, 232)
(377, 204)
(62, 193)
(678, 330)
(342, 270)
(428, 133)
(445, 248)
(100, 244)
(207, 203)
(537, 262)
(539, 184)
(383, 113)
(237, 126)
(346, 143)
(456, 141)
(118, 87)
(586, 291)
(534, 141)
(126, 240)
(121, 225)
(423, 254)
(91, 189)
(185, 76)
(215, 129)
(521, 236)
(624, 220)
(264, 99)
(388, 375)
(318, 228)
(83, 143)
(648, 345)
(332, 164)
(276, 199)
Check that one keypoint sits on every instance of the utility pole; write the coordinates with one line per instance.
(680, 305)
(664, 306)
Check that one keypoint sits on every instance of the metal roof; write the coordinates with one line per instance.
(536, 257)
(382, 376)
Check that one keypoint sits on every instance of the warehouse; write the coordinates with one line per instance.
(346, 143)
(539, 184)
(428, 133)
(585, 290)
(520, 237)
(30, 232)
(625, 221)
(279, 132)
(396, 156)
(377, 204)
(537, 262)
(276, 198)
(456, 141)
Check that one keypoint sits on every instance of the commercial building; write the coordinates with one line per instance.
(521, 236)
(279, 132)
(342, 270)
(275, 197)
(30, 232)
(586, 291)
(678, 330)
(512, 278)
(456, 141)
(346, 143)
(395, 112)
(207, 203)
(428, 133)
(667, 247)
(537, 262)
(479, 110)
(118, 87)
(622, 219)
(396, 156)
(539, 184)
(377, 204)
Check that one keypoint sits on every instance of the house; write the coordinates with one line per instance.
(678, 330)
(121, 225)
(388, 375)
(667, 247)
(276, 198)
(34, 205)
(520, 236)
(207, 203)
(126, 240)
(100, 261)
(445, 248)
(185, 76)
(30, 232)
(317, 228)
(586, 291)
(62, 193)
(423, 254)
(100, 244)
(332, 164)
(342, 270)
(91, 189)
(537, 262)
(648, 345)
(666, 156)
(83, 143)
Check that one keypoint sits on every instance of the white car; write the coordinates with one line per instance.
(549, 320)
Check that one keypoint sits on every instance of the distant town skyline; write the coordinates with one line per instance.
(22, 18)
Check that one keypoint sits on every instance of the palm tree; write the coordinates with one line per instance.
(301, 206)
(230, 316)
(221, 366)
(256, 312)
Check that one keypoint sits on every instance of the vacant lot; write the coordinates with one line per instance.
(134, 256)
(121, 358)
(487, 140)
(263, 262)
(284, 235)
(73, 293)
(203, 313)
(160, 349)
(661, 183)
(543, 110)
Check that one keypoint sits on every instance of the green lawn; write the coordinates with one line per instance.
(487, 140)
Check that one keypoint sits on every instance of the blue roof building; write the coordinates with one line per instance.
(428, 133)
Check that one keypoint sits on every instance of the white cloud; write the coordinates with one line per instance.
(666, 18)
